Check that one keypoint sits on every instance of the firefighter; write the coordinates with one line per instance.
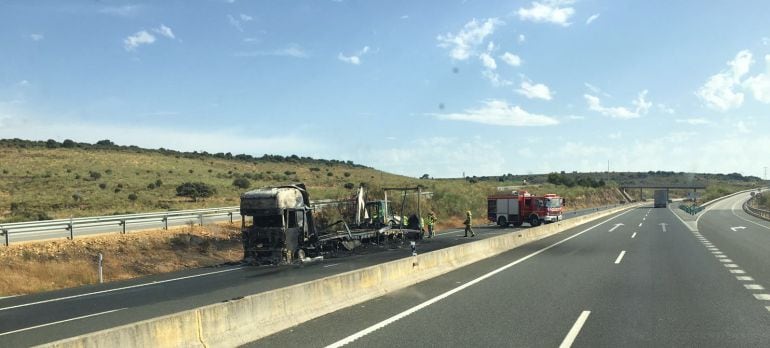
(431, 221)
(468, 224)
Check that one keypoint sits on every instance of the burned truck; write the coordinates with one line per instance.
(277, 224)
(277, 227)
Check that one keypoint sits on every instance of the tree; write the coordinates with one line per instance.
(241, 183)
(425, 176)
(51, 144)
(195, 190)
(68, 143)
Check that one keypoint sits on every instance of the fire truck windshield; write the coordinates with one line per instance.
(553, 202)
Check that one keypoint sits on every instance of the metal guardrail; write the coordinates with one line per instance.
(69, 225)
(691, 209)
(756, 212)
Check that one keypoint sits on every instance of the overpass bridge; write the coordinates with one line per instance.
(667, 187)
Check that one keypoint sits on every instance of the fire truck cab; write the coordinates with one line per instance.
(520, 206)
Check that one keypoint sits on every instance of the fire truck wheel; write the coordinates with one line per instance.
(501, 221)
(534, 221)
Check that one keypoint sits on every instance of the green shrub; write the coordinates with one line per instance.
(132, 197)
(241, 183)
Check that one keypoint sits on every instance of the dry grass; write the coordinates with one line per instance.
(43, 266)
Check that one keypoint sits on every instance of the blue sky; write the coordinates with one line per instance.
(410, 87)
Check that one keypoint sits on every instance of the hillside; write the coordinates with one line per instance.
(47, 179)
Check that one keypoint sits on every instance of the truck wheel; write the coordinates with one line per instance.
(502, 222)
(534, 221)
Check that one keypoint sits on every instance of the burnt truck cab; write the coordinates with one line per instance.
(276, 224)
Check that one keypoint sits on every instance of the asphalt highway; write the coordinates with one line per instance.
(40, 318)
(644, 278)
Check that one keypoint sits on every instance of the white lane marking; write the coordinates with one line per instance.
(5, 297)
(59, 322)
(446, 294)
(644, 218)
(731, 265)
(615, 227)
(640, 224)
(620, 257)
(332, 265)
(747, 220)
(737, 271)
(575, 330)
(754, 287)
(118, 289)
(717, 252)
(767, 307)
(725, 260)
(633, 235)
(745, 278)
(720, 256)
(763, 297)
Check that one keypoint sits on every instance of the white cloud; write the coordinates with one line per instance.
(693, 121)
(237, 22)
(742, 128)
(139, 38)
(641, 106)
(122, 11)
(596, 90)
(488, 61)
(495, 79)
(404, 17)
(551, 11)
(592, 18)
(355, 58)
(759, 85)
(766, 41)
(615, 136)
(719, 91)
(36, 37)
(665, 108)
(463, 44)
(522, 38)
(511, 59)
(292, 50)
(143, 37)
(165, 31)
(534, 91)
(499, 113)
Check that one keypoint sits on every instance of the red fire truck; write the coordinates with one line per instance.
(520, 206)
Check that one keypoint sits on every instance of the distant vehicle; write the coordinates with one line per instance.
(520, 207)
(661, 198)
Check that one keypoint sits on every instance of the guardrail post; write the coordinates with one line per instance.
(200, 217)
(122, 223)
(71, 229)
(231, 217)
(165, 222)
(101, 279)
(5, 233)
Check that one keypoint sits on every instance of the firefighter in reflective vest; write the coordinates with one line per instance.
(431, 221)
(468, 223)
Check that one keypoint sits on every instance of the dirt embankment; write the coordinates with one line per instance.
(44, 266)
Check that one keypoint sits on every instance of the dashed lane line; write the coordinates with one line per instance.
(575, 330)
(754, 287)
(620, 257)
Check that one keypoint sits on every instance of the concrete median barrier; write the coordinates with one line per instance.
(252, 317)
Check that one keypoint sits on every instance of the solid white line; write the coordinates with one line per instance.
(118, 289)
(633, 235)
(620, 257)
(59, 322)
(763, 297)
(332, 265)
(754, 287)
(575, 330)
(5, 297)
(744, 219)
(745, 278)
(446, 294)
